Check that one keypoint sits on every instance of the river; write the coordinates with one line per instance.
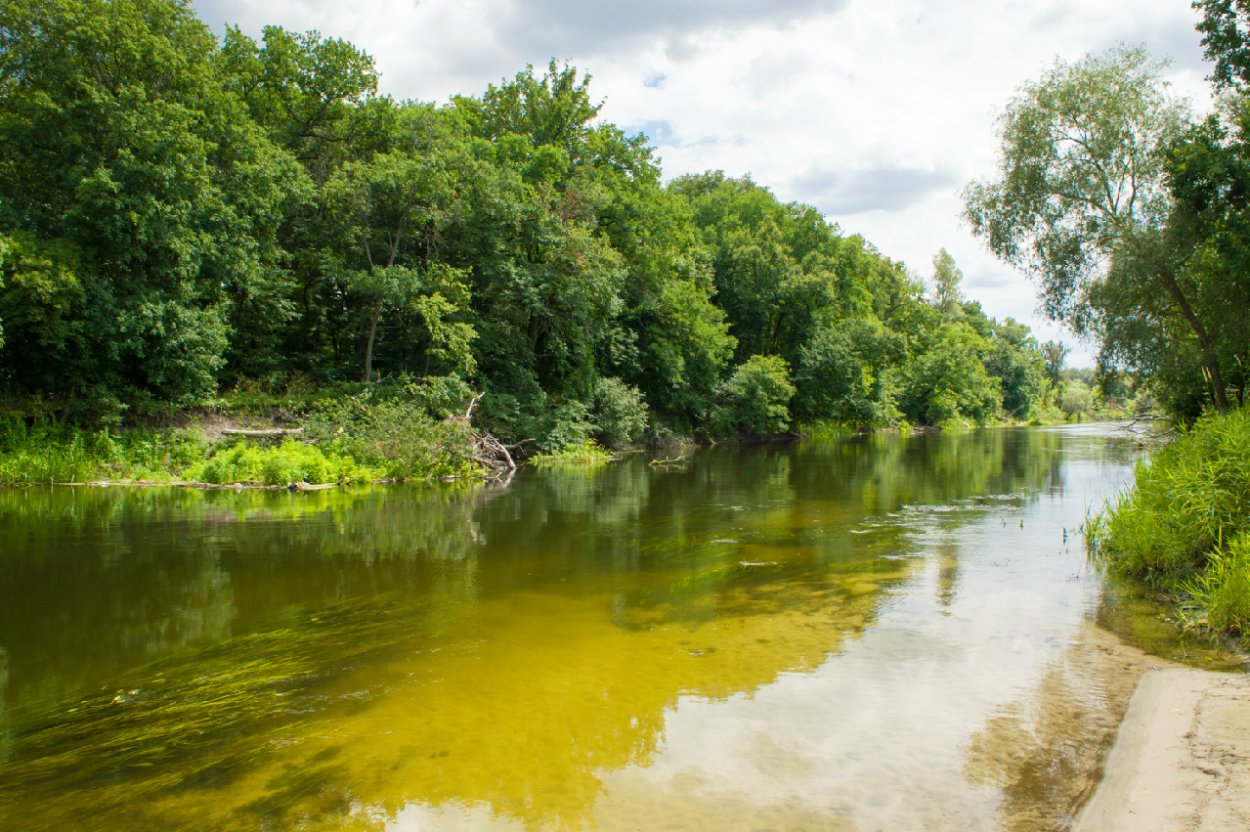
(880, 633)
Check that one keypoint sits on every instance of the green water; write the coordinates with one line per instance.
(879, 633)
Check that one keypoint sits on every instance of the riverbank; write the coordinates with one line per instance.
(1181, 759)
(1184, 527)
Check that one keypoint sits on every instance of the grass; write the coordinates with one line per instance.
(1184, 528)
(587, 454)
(288, 462)
(379, 433)
(46, 453)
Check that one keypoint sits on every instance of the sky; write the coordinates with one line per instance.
(877, 113)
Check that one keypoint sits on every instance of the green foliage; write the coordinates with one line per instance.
(1190, 500)
(587, 453)
(569, 425)
(292, 461)
(620, 411)
(118, 143)
(46, 453)
(1185, 525)
(1221, 592)
(1076, 401)
(393, 432)
(848, 374)
(1133, 220)
(755, 399)
(948, 383)
(180, 214)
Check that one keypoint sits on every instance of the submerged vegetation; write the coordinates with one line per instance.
(1185, 526)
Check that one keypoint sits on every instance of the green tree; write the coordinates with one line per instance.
(946, 280)
(947, 380)
(1082, 203)
(849, 374)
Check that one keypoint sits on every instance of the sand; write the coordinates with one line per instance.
(1181, 759)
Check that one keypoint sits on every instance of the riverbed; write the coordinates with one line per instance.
(876, 633)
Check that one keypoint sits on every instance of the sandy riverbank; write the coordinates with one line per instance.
(1181, 759)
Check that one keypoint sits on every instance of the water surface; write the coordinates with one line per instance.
(879, 633)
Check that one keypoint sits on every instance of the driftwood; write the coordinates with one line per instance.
(488, 451)
(268, 433)
(306, 486)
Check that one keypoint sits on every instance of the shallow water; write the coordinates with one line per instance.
(880, 633)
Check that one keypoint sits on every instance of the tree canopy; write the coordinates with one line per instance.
(1129, 217)
(181, 213)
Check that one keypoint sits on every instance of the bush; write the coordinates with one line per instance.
(620, 412)
(45, 453)
(288, 462)
(570, 425)
(1222, 591)
(755, 399)
(394, 434)
(587, 453)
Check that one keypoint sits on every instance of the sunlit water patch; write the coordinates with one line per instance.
(880, 633)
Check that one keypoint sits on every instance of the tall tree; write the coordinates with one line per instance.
(946, 280)
(1082, 203)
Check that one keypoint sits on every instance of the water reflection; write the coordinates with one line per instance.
(769, 637)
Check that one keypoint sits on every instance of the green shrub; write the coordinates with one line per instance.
(1191, 499)
(570, 425)
(755, 399)
(586, 453)
(1221, 592)
(620, 413)
(289, 462)
(45, 452)
(394, 434)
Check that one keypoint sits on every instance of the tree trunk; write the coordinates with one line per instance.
(373, 334)
(1210, 360)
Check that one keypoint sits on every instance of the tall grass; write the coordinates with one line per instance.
(288, 462)
(46, 452)
(1185, 526)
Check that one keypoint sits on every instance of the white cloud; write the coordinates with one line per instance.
(877, 113)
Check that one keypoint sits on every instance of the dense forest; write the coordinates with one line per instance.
(183, 215)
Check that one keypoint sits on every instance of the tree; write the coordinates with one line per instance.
(848, 373)
(946, 280)
(1225, 26)
(1054, 353)
(948, 381)
(119, 144)
(1082, 203)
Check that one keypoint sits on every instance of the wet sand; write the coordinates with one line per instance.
(1181, 760)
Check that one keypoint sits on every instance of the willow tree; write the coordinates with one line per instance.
(1081, 203)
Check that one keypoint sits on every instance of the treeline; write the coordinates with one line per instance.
(182, 214)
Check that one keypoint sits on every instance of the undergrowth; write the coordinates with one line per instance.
(588, 453)
(1184, 527)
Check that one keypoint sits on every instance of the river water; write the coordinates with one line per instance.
(881, 633)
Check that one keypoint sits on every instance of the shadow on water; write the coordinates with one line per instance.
(526, 657)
